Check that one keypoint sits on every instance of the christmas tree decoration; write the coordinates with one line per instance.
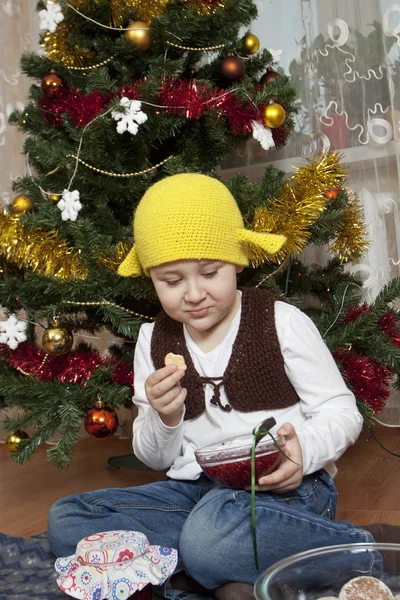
(332, 194)
(269, 77)
(204, 7)
(14, 440)
(57, 340)
(69, 205)
(232, 68)
(274, 115)
(138, 34)
(298, 206)
(77, 107)
(130, 117)
(12, 331)
(263, 135)
(51, 16)
(275, 54)
(113, 258)
(59, 48)
(51, 84)
(351, 242)
(281, 136)
(250, 43)
(390, 327)
(194, 68)
(40, 251)
(101, 421)
(369, 380)
(144, 10)
(21, 204)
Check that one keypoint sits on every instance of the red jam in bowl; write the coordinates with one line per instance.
(229, 462)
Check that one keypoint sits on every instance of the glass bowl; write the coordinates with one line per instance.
(321, 574)
(229, 462)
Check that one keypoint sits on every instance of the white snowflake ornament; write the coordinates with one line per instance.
(12, 332)
(276, 55)
(263, 135)
(51, 16)
(69, 205)
(130, 117)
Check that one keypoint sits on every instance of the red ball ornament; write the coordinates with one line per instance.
(332, 194)
(269, 77)
(101, 421)
(51, 84)
(232, 68)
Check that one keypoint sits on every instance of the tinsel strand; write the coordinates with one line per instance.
(299, 205)
(38, 250)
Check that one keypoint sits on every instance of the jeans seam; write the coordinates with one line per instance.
(163, 507)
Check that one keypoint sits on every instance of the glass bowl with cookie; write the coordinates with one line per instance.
(345, 572)
(229, 462)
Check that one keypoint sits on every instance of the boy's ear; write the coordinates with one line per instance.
(239, 268)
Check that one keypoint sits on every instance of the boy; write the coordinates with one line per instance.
(249, 356)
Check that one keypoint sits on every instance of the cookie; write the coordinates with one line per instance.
(175, 359)
(365, 588)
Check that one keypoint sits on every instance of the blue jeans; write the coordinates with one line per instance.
(209, 525)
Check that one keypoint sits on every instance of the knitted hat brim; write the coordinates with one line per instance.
(269, 242)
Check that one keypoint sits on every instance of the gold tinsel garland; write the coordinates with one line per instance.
(299, 206)
(350, 242)
(58, 47)
(141, 10)
(113, 258)
(40, 251)
(204, 8)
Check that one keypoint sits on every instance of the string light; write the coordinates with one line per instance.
(90, 67)
(36, 371)
(110, 174)
(194, 49)
(106, 303)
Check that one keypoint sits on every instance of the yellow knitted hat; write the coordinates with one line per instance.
(190, 216)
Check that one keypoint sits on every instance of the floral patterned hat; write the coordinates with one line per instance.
(114, 565)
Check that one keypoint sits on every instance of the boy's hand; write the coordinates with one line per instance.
(165, 394)
(288, 475)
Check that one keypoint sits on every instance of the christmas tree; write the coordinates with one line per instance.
(125, 93)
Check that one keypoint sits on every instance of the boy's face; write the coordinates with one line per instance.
(199, 293)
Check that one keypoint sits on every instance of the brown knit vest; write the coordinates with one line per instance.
(254, 378)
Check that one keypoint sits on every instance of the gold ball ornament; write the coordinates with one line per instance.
(251, 43)
(15, 438)
(232, 68)
(54, 197)
(51, 84)
(274, 115)
(138, 34)
(56, 340)
(21, 204)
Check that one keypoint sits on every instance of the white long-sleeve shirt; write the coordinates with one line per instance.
(326, 419)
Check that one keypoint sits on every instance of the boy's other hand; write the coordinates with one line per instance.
(288, 475)
(165, 394)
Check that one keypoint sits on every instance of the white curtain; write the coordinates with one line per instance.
(19, 33)
(344, 58)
